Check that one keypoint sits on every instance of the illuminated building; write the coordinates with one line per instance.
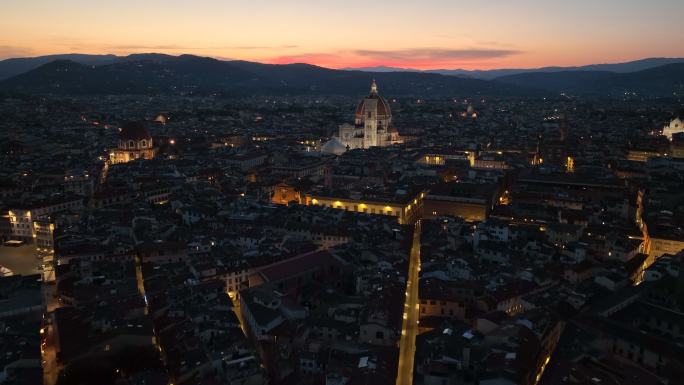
(489, 161)
(43, 231)
(284, 194)
(406, 207)
(570, 164)
(642, 155)
(677, 147)
(442, 157)
(135, 142)
(372, 124)
(675, 126)
(30, 222)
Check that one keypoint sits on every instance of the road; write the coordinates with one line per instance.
(51, 367)
(409, 326)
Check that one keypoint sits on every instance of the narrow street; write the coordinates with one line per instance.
(51, 367)
(409, 328)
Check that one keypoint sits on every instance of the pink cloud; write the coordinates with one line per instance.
(422, 58)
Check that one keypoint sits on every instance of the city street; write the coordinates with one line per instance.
(409, 328)
(51, 367)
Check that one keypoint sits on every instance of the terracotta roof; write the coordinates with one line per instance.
(383, 107)
(134, 131)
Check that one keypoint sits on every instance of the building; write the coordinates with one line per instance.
(405, 205)
(246, 161)
(284, 194)
(135, 142)
(675, 126)
(23, 217)
(470, 201)
(372, 124)
(440, 299)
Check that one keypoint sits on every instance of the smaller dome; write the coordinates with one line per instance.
(134, 131)
(334, 146)
(161, 118)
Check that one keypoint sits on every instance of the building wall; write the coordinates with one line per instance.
(471, 212)
(659, 246)
(284, 194)
(123, 156)
(405, 214)
(442, 308)
(375, 334)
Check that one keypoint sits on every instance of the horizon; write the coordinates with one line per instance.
(435, 35)
(390, 68)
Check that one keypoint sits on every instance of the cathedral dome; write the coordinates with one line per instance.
(383, 108)
(134, 131)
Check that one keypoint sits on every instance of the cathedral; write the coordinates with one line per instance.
(372, 124)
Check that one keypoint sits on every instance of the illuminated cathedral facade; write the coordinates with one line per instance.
(372, 124)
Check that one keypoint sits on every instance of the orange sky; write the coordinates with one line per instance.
(402, 33)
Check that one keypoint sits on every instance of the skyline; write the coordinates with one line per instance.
(337, 36)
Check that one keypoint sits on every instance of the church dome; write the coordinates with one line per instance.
(383, 109)
(334, 146)
(134, 131)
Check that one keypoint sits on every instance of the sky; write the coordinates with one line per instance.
(422, 34)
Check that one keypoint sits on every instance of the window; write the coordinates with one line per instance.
(131, 144)
(379, 335)
(143, 144)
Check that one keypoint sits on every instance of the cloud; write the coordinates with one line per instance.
(421, 58)
(436, 54)
(136, 47)
(259, 47)
(175, 47)
(8, 51)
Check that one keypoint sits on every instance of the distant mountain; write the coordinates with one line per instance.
(632, 66)
(16, 66)
(659, 81)
(158, 73)
(381, 69)
(192, 74)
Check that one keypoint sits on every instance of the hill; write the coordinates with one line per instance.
(631, 66)
(658, 81)
(193, 74)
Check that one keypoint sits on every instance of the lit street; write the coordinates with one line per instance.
(409, 328)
